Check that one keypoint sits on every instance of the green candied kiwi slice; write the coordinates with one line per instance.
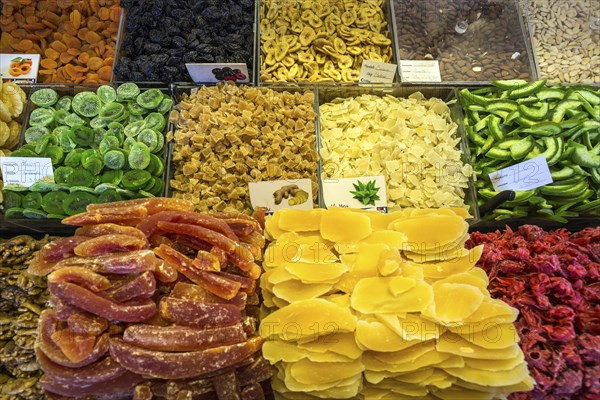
(73, 189)
(156, 166)
(42, 186)
(12, 199)
(65, 140)
(82, 135)
(135, 109)
(74, 119)
(32, 213)
(158, 187)
(60, 129)
(59, 116)
(102, 187)
(128, 143)
(135, 179)
(109, 196)
(98, 123)
(23, 152)
(134, 118)
(149, 184)
(55, 153)
(114, 159)
(160, 144)
(52, 202)
(155, 121)
(112, 176)
(150, 99)
(109, 142)
(80, 177)
(89, 153)
(14, 213)
(44, 141)
(77, 202)
(127, 91)
(41, 117)
(106, 94)
(44, 97)
(64, 103)
(132, 129)
(139, 156)
(112, 111)
(117, 130)
(32, 200)
(73, 159)
(56, 216)
(149, 137)
(99, 134)
(93, 164)
(123, 118)
(165, 105)
(86, 104)
(35, 133)
(62, 174)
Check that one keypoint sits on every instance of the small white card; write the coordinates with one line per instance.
(525, 175)
(377, 72)
(366, 192)
(218, 72)
(21, 68)
(25, 171)
(420, 71)
(275, 195)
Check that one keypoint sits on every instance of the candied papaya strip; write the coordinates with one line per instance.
(150, 225)
(193, 364)
(227, 386)
(241, 257)
(241, 226)
(109, 243)
(182, 338)
(165, 272)
(253, 392)
(206, 261)
(76, 346)
(86, 323)
(123, 216)
(203, 315)
(193, 243)
(106, 229)
(247, 285)
(117, 263)
(259, 370)
(220, 254)
(157, 240)
(255, 250)
(197, 293)
(140, 286)
(62, 309)
(221, 286)
(81, 276)
(43, 261)
(260, 215)
(236, 215)
(154, 205)
(135, 311)
(199, 232)
(120, 387)
(256, 238)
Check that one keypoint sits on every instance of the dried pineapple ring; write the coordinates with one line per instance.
(4, 113)
(4, 133)
(11, 96)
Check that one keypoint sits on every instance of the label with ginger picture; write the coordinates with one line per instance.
(21, 68)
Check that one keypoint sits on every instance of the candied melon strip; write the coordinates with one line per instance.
(430, 232)
(455, 344)
(340, 343)
(316, 272)
(299, 220)
(497, 336)
(344, 226)
(272, 230)
(309, 372)
(294, 290)
(454, 302)
(491, 378)
(373, 335)
(443, 269)
(415, 299)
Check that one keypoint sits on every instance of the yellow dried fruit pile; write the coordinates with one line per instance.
(12, 104)
(364, 305)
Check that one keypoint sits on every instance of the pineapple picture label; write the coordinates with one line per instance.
(366, 193)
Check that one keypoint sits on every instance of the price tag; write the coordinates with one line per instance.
(377, 72)
(218, 72)
(275, 195)
(420, 71)
(19, 68)
(525, 175)
(25, 171)
(367, 193)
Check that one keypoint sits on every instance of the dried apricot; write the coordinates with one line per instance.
(105, 72)
(92, 37)
(51, 53)
(95, 63)
(48, 63)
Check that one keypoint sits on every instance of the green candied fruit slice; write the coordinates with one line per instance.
(77, 202)
(73, 159)
(35, 133)
(135, 109)
(32, 213)
(74, 119)
(132, 130)
(158, 187)
(44, 141)
(155, 121)
(135, 179)
(82, 189)
(116, 129)
(114, 159)
(89, 153)
(149, 137)
(112, 176)
(60, 129)
(106, 94)
(64, 103)
(160, 144)
(80, 177)
(55, 153)
(22, 152)
(62, 174)
(59, 116)
(93, 164)
(109, 196)
(165, 105)
(56, 216)
(123, 118)
(12, 199)
(14, 213)
(127, 91)
(102, 187)
(43, 186)
(99, 134)
(82, 135)
(128, 143)
(44, 97)
(139, 156)
(52, 202)
(98, 123)
(109, 142)
(150, 99)
(112, 111)
(32, 200)
(86, 104)
(156, 166)
(134, 118)
(97, 181)
(65, 140)
(41, 117)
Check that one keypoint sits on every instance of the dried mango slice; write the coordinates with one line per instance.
(454, 302)
(455, 393)
(525, 385)
(292, 247)
(431, 231)
(415, 377)
(491, 378)
(348, 391)
(455, 344)
(372, 363)
(344, 226)
(467, 278)
(453, 266)
(442, 253)
(496, 336)
(411, 327)
(299, 220)
(293, 291)
(309, 372)
(406, 355)
(415, 299)
(276, 351)
(339, 343)
(277, 275)
(373, 335)
(492, 309)
(389, 262)
(294, 385)
(272, 230)
(316, 272)
(401, 388)
(495, 365)
(393, 239)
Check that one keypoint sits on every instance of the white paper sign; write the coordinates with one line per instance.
(21, 68)
(525, 175)
(420, 71)
(275, 195)
(218, 72)
(25, 171)
(377, 72)
(346, 192)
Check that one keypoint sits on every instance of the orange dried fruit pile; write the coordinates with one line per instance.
(76, 39)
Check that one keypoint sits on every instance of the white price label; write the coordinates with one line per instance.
(420, 71)
(525, 175)
(377, 72)
(25, 171)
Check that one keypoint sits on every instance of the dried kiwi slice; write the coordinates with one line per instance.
(127, 91)
(35, 133)
(77, 202)
(112, 111)
(52, 202)
(102, 187)
(86, 104)
(14, 213)
(80, 177)
(117, 130)
(32, 213)
(109, 196)
(93, 164)
(158, 187)
(12, 199)
(42, 143)
(56, 216)
(150, 99)
(149, 137)
(44, 97)
(32, 200)
(112, 176)
(64, 103)
(156, 165)
(43, 186)
(134, 118)
(82, 135)
(135, 109)
(135, 180)
(98, 123)
(59, 116)
(55, 153)
(65, 140)
(82, 189)
(62, 174)
(41, 117)
(108, 143)
(132, 129)
(106, 94)
(165, 105)
(139, 156)
(114, 159)
(74, 119)
(22, 152)
(73, 159)
(155, 121)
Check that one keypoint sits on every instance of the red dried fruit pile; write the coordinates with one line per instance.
(150, 300)
(553, 279)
